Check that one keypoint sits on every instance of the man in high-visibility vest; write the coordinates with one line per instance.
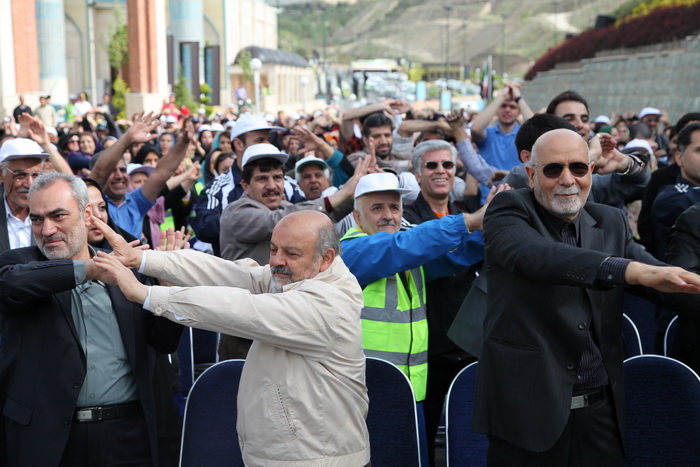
(392, 267)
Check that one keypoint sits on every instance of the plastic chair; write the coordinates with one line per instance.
(633, 342)
(209, 434)
(662, 398)
(463, 446)
(670, 336)
(205, 347)
(186, 359)
(391, 419)
(643, 314)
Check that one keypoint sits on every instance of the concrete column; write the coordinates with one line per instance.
(24, 34)
(186, 25)
(8, 88)
(51, 28)
(146, 46)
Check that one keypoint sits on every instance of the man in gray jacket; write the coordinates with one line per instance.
(247, 223)
(302, 397)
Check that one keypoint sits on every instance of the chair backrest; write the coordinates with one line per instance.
(662, 398)
(670, 336)
(209, 434)
(186, 362)
(463, 446)
(643, 313)
(633, 343)
(205, 346)
(391, 419)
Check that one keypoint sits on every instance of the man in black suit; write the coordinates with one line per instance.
(549, 387)
(76, 364)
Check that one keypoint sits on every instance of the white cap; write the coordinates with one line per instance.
(204, 127)
(216, 126)
(170, 119)
(602, 119)
(294, 116)
(263, 151)
(649, 111)
(139, 168)
(51, 130)
(20, 148)
(269, 118)
(375, 182)
(638, 143)
(301, 163)
(250, 122)
(230, 124)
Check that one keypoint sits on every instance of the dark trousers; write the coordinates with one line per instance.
(591, 438)
(441, 372)
(109, 443)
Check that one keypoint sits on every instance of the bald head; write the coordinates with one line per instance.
(559, 138)
(560, 174)
(303, 245)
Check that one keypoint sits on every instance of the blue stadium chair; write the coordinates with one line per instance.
(464, 448)
(662, 398)
(633, 342)
(186, 359)
(205, 346)
(670, 336)
(643, 314)
(391, 419)
(209, 429)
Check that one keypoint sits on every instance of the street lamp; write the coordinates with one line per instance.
(256, 65)
(303, 81)
(448, 9)
(555, 23)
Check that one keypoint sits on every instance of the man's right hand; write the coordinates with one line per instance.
(140, 131)
(662, 278)
(129, 254)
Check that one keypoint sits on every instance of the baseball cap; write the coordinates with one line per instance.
(649, 111)
(372, 183)
(139, 168)
(638, 143)
(250, 122)
(263, 151)
(20, 148)
(216, 126)
(301, 163)
(602, 119)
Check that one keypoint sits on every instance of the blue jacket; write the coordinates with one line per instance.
(441, 246)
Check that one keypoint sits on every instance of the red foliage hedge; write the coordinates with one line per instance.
(660, 25)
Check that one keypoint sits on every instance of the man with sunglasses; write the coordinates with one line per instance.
(434, 168)
(549, 390)
(21, 162)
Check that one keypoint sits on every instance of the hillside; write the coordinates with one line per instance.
(416, 29)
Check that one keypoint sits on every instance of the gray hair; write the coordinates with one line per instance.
(327, 238)
(4, 165)
(77, 187)
(428, 146)
(326, 172)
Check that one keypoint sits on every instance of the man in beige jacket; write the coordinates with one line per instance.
(302, 396)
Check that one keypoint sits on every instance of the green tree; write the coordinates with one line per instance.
(118, 56)
(244, 58)
(183, 95)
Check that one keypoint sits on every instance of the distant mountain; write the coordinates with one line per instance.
(515, 32)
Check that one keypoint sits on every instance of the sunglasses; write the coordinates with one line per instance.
(432, 165)
(554, 169)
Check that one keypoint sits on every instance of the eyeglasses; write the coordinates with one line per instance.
(432, 165)
(554, 169)
(22, 175)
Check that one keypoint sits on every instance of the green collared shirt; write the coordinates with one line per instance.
(109, 378)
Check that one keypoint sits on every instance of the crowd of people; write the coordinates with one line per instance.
(310, 241)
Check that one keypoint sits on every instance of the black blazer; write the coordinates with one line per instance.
(42, 364)
(542, 298)
(4, 236)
